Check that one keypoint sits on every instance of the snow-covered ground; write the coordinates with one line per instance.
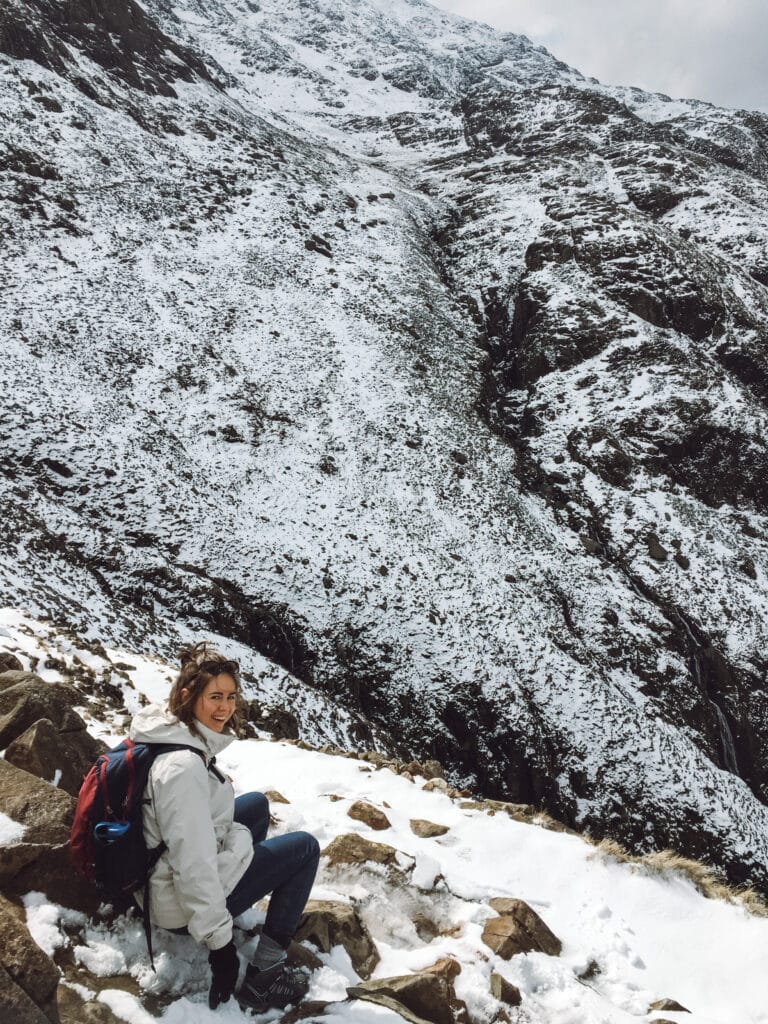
(630, 935)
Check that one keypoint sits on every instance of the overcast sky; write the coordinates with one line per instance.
(714, 50)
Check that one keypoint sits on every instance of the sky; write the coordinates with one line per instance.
(712, 50)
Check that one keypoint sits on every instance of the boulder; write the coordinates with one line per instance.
(425, 997)
(28, 978)
(370, 815)
(41, 859)
(354, 849)
(667, 1004)
(427, 829)
(329, 923)
(9, 663)
(504, 990)
(28, 699)
(50, 754)
(518, 929)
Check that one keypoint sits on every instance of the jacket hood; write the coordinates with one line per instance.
(156, 724)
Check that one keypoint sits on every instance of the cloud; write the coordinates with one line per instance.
(707, 49)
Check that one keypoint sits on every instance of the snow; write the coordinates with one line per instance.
(652, 936)
(10, 831)
(140, 343)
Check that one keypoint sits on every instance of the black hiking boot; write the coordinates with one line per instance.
(277, 987)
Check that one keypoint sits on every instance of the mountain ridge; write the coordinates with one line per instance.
(418, 397)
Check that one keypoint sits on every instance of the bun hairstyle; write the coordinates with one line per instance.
(199, 664)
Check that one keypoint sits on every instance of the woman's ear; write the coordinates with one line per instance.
(184, 693)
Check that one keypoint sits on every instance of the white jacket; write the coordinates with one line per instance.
(191, 810)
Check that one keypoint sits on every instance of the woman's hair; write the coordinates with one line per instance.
(199, 664)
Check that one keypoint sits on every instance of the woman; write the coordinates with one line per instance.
(218, 862)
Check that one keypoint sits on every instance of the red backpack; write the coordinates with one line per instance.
(107, 839)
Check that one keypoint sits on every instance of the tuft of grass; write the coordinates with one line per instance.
(704, 878)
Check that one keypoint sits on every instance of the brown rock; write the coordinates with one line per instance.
(372, 816)
(354, 849)
(29, 971)
(41, 860)
(433, 770)
(667, 1004)
(436, 783)
(9, 663)
(505, 991)
(427, 829)
(28, 699)
(425, 997)
(73, 1009)
(16, 1005)
(328, 923)
(274, 797)
(518, 929)
(43, 751)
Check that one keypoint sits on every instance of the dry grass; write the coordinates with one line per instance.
(704, 877)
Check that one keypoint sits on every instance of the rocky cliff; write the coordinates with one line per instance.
(427, 370)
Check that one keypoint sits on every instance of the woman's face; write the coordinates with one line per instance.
(216, 704)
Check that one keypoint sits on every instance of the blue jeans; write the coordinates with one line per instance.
(285, 866)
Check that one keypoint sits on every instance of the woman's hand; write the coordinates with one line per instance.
(225, 967)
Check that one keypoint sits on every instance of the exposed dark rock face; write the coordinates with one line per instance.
(117, 35)
(430, 371)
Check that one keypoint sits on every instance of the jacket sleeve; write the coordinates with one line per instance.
(182, 810)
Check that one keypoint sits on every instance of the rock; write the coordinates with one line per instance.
(655, 549)
(73, 1009)
(29, 698)
(274, 797)
(354, 849)
(432, 770)
(518, 929)
(425, 997)
(41, 859)
(329, 923)
(43, 751)
(281, 722)
(9, 663)
(372, 816)
(436, 783)
(427, 829)
(28, 976)
(667, 1004)
(504, 990)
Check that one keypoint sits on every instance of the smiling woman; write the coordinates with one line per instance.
(217, 861)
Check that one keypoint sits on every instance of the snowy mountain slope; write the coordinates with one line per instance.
(631, 936)
(397, 352)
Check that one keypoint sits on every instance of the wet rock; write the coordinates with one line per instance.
(518, 929)
(424, 996)
(427, 829)
(53, 755)
(354, 849)
(29, 978)
(370, 815)
(328, 923)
